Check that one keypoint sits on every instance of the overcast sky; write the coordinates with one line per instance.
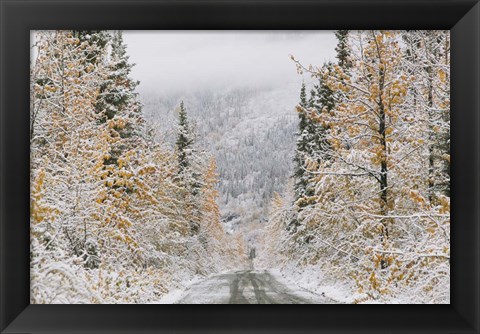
(181, 61)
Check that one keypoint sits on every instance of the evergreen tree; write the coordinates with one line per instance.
(117, 93)
(343, 51)
(299, 175)
(324, 96)
(189, 173)
(119, 123)
(310, 146)
(97, 40)
(117, 104)
(311, 142)
(185, 140)
(323, 101)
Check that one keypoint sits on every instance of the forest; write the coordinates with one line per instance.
(340, 184)
(370, 203)
(115, 216)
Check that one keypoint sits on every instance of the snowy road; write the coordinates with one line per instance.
(248, 287)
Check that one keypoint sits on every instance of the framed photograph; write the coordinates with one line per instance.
(237, 152)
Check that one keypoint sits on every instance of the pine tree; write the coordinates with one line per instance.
(323, 102)
(343, 51)
(324, 97)
(119, 124)
(117, 98)
(185, 140)
(312, 143)
(97, 39)
(302, 147)
(189, 174)
(312, 146)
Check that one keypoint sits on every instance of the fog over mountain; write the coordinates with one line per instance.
(180, 61)
(240, 90)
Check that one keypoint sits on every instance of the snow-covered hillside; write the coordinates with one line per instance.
(251, 132)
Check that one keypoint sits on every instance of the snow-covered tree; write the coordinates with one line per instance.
(373, 220)
(117, 97)
(109, 210)
(65, 143)
(302, 147)
(343, 49)
(311, 140)
(190, 163)
(427, 59)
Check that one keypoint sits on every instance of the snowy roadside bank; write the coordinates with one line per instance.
(176, 294)
(312, 280)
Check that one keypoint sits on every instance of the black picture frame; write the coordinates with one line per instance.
(18, 17)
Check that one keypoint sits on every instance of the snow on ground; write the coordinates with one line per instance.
(174, 295)
(311, 279)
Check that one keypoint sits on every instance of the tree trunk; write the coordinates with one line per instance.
(383, 165)
(431, 158)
